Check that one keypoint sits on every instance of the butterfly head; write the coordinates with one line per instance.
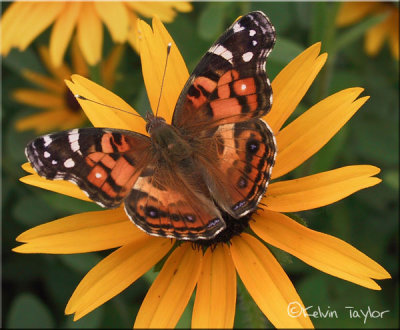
(153, 122)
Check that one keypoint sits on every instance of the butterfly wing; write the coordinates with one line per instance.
(237, 164)
(104, 163)
(173, 204)
(230, 82)
(219, 107)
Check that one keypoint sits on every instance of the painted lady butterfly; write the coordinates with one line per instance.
(216, 156)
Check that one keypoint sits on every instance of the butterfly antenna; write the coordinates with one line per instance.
(162, 81)
(105, 105)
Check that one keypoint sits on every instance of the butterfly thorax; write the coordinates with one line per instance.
(167, 140)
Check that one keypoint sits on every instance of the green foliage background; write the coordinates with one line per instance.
(36, 288)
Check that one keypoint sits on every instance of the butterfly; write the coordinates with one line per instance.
(216, 155)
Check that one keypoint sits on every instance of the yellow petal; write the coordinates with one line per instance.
(153, 52)
(45, 82)
(163, 10)
(303, 137)
(115, 17)
(38, 19)
(116, 272)
(267, 282)
(78, 61)
(324, 252)
(74, 120)
(62, 31)
(109, 66)
(11, 21)
(319, 189)
(37, 98)
(352, 12)
(215, 302)
(61, 187)
(182, 6)
(375, 37)
(133, 34)
(291, 84)
(394, 34)
(44, 121)
(170, 292)
(27, 167)
(79, 233)
(61, 72)
(90, 33)
(103, 116)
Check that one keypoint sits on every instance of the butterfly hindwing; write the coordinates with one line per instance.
(104, 163)
(230, 82)
(170, 204)
(239, 165)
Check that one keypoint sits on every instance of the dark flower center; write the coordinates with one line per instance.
(71, 101)
(233, 228)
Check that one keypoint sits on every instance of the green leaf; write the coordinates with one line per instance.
(31, 211)
(90, 321)
(355, 32)
(248, 315)
(391, 178)
(28, 59)
(285, 50)
(81, 263)
(27, 311)
(68, 204)
(211, 20)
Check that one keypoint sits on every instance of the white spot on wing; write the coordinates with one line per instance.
(73, 138)
(47, 140)
(69, 163)
(221, 51)
(243, 87)
(254, 43)
(46, 154)
(252, 33)
(247, 56)
(237, 27)
(54, 162)
(98, 175)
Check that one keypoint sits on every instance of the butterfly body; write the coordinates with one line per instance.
(215, 156)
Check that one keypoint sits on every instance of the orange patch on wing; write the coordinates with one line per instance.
(205, 83)
(252, 101)
(228, 77)
(208, 84)
(226, 107)
(123, 146)
(122, 172)
(96, 156)
(97, 176)
(244, 86)
(106, 143)
(108, 190)
(108, 161)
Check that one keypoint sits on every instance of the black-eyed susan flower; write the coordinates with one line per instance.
(213, 273)
(352, 12)
(23, 21)
(58, 108)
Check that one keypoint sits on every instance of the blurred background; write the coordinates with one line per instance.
(36, 288)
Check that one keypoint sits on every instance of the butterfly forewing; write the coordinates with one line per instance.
(230, 82)
(104, 163)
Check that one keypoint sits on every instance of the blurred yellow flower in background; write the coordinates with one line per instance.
(58, 107)
(213, 273)
(23, 21)
(353, 12)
